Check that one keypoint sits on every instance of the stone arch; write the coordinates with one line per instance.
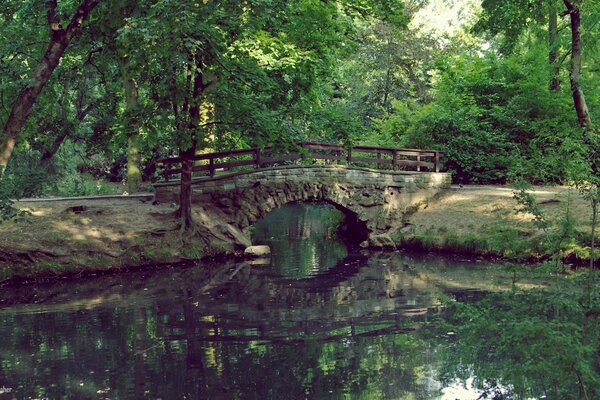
(227, 205)
(251, 205)
(353, 230)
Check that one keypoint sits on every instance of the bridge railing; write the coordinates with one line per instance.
(381, 157)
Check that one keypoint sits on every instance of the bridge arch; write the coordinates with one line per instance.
(376, 198)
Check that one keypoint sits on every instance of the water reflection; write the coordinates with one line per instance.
(232, 331)
(359, 326)
(303, 238)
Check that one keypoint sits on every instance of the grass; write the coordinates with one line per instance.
(483, 221)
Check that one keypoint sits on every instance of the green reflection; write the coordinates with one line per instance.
(303, 238)
(525, 344)
(376, 330)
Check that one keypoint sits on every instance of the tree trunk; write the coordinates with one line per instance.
(583, 115)
(581, 108)
(51, 151)
(134, 175)
(594, 222)
(553, 47)
(185, 191)
(193, 107)
(59, 40)
(386, 90)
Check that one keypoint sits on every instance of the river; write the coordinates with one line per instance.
(320, 320)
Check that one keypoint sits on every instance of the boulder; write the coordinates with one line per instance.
(257, 251)
(381, 241)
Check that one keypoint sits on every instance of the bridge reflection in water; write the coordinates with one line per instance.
(235, 330)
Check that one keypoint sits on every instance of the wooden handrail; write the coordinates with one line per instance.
(384, 156)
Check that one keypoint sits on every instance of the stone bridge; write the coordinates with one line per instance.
(374, 201)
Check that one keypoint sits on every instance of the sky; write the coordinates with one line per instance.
(445, 16)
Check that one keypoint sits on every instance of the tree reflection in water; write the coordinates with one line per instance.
(372, 325)
(303, 237)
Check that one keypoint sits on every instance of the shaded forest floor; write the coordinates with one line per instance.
(82, 234)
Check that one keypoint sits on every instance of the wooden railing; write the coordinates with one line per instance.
(382, 157)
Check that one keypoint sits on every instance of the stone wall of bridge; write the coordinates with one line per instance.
(378, 199)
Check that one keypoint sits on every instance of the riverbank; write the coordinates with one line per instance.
(94, 235)
(483, 221)
(79, 236)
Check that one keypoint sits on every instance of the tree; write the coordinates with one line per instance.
(240, 70)
(581, 108)
(60, 38)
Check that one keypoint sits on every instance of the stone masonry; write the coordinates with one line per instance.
(229, 204)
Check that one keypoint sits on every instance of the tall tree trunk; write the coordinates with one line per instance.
(185, 190)
(553, 47)
(388, 76)
(583, 115)
(386, 90)
(134, 175)
(192, 105)
(59, 40)
(581, 108)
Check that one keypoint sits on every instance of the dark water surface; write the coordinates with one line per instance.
(321, 322)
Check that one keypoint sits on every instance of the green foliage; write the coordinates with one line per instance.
(71, 180)
(274, 72)
(7, 211)
(531, 344)
(559, 236)
(9, 191)
(495, 121)
(24, 177)
(510, 19)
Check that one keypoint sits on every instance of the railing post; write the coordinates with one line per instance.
(394, 159)
(418, 160)
(257, 157)
(349, 158)
(378, 163)
(211, 166)
(437, 161)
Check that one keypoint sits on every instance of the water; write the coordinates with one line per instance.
(303, 238)
(347, 324)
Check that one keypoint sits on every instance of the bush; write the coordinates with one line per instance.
(24, 177)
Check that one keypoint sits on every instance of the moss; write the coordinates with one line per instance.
(159, 253)
(193, 252)
(131, 256)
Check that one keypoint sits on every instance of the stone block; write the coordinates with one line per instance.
(257, 251)
(379, 241)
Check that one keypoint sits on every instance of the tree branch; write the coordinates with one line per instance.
(80, 15)
(564, 57)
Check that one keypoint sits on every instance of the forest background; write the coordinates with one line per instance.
(94, 92)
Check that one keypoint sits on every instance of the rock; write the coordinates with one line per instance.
(239, 238)
(257, 251)
(407, 228)
(381, 241)
(260, 261)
